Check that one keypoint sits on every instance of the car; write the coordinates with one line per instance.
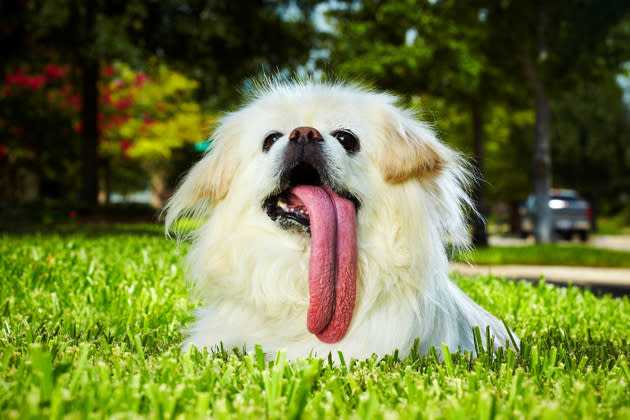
(570, 214)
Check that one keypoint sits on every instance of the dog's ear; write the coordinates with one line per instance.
(410, 149)
(206, 183)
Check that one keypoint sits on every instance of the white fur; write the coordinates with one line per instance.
(254, 275)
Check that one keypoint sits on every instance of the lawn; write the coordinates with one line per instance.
(91, 326)
(547, 254)
(616, 225)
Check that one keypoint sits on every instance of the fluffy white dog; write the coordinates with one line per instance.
(326, 211)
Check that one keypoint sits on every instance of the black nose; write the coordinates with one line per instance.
(305, 135)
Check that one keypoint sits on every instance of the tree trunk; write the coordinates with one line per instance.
(542, 149)
(108, 180)
(89, 112)
(479, 234)
(542, 154)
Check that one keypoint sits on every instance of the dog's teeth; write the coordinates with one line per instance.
(283, 205)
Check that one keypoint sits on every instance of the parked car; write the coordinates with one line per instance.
(570, 214)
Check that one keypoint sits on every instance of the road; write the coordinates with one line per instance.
(615, 281)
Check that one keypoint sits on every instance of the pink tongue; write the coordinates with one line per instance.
(333, 261)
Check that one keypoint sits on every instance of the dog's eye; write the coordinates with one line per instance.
(270, 140)
(347, 140)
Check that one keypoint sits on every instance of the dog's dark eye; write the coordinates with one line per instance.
(347, 140)
(270, 140)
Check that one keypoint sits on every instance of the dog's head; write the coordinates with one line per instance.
(341, 165)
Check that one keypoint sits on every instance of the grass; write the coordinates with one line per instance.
(91, 327)
(547, 254)
(616, 225)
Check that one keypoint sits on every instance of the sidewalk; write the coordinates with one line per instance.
(613, 280)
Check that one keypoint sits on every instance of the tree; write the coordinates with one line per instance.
(425, 47)
(219, 42)
(146, 118)
(554, 44)
(593, 155)
(143, 118)
(482, 52)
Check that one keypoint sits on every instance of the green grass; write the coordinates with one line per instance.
(547, 254)
(616, 225)
(91, 327)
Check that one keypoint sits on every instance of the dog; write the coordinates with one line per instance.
(326, 208)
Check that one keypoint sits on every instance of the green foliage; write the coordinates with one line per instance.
(222, 43)
(507, 143)
(412, 47)
(617, 225)
(592, 148)
(219, 44)
(92, 326)
(159, 114)
(547, 254)
(470, 55)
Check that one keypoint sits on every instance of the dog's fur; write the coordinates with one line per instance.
(253, 272)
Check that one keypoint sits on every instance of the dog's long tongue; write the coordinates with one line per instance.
(333, 261)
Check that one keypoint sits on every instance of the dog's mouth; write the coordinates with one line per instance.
(307, 203)
(287, 209)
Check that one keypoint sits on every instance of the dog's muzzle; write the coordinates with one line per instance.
(308, 202)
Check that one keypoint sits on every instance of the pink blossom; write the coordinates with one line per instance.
(55, 72)
(123, 103)
(119, 120)
(108, 71)
(106, 98)
(125, 145)
(141, 79)
(74, 101)
(36, 82)
(18, 78)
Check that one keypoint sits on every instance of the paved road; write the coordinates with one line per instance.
(620, 242)
(607, 280)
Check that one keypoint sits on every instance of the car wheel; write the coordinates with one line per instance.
(583, 235)
(566, 236)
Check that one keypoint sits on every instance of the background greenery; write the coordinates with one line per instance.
(111, 97)
(547, 254)
(92, 324)
(101, 99)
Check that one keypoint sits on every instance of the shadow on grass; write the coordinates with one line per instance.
(72, 219)
(88, 229)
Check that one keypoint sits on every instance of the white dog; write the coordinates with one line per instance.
(326, 211)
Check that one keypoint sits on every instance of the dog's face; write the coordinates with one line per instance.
(339, 168)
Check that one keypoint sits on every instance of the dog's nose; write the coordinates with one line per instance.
(305, 135)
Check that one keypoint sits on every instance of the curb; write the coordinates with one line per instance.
(615, 281)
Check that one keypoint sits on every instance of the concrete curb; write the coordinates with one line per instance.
(606, 280)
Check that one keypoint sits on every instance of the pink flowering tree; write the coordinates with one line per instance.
(142, 119)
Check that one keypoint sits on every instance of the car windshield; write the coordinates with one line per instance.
(564, 197)
(557, 199)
